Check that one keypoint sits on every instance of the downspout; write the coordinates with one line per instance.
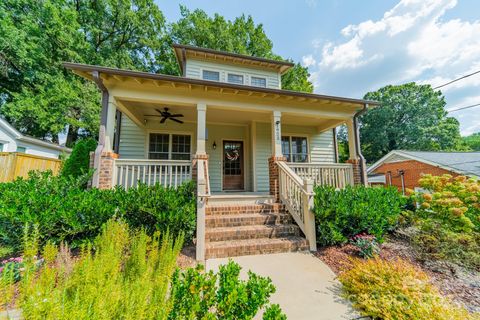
(103, 125)
(357, 142)
(335, 144)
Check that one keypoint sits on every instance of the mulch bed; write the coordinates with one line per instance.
(460, 284)
(186, 258)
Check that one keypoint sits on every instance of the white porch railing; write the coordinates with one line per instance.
(203, 192)
(337, 175)
(297, 196)
(169, 173)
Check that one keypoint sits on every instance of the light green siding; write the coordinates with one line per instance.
(194, 70)
(321, 148)
(132, 140)
(262, 153)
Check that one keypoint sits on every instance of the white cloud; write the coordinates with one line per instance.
(308, 61)
(411, 42)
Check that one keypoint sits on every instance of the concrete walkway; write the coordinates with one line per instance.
(306, 287)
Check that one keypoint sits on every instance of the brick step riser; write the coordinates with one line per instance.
(254, 234)
(243, 209)
(220, 221)
(253, 250)
(248, 211)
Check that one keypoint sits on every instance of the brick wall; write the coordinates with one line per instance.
(105, 170)
(273, 176)
(357, 170)
(413, 171)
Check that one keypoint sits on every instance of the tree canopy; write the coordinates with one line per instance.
(473, 141)
(40, 98)
(410, 117)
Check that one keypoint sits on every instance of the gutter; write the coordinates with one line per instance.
(357, 142)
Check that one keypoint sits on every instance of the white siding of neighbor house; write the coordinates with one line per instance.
(10, 144)
(194, 70)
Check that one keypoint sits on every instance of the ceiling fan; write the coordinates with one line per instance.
(165, 115)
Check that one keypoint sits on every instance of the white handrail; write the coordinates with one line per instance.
(169, 173)
(203, 192)
(297, 196)
(338, 175)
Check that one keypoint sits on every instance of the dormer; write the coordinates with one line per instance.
(213, 65)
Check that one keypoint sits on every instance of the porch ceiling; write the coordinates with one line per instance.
(144, 111)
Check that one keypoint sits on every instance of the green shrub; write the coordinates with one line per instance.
(448, 219)
(342, 214)
(64, 211)
(398, 291)
(78, 163)
(127, 274)
(199, 295)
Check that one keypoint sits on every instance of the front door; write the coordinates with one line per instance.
(233, 165)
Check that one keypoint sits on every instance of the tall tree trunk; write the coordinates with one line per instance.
(72, 136)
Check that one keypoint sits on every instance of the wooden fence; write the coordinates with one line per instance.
(13, 164)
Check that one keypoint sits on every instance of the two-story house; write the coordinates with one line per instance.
(253, 149)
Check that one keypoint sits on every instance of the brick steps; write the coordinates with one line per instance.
(236, 229)
(232, 248)
(251, 232)
(247, 219)
(241, 209)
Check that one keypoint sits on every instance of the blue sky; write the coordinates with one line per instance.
(352, 46)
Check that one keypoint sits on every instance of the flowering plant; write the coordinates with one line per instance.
(367, 244)
(12, 265)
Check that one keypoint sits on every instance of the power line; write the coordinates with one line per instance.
(463, 108)
(455, 80)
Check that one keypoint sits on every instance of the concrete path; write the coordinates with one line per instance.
(306, 287)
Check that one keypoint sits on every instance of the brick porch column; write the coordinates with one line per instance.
(273, 176)
(357, 171)
(106, 170)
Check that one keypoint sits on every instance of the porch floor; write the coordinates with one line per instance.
(239, 197)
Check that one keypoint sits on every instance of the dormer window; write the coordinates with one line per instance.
(235, 78)
(258, 82)
(211, 75)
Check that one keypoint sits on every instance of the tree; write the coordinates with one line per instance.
(472, 141)
(241, 36)
(37, 94)
(40, 98)
(410, 117)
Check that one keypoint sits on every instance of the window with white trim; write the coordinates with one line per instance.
(164, 146)
(258, 82)
(1, 147)
(295, 149)
(21, 149)
(211, 75)
(235, 78)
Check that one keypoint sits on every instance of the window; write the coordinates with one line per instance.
(21, 149)
(295, 149)
(211, 75)
(258, 82)
(164, 146)
(235, 78)
(1, 147)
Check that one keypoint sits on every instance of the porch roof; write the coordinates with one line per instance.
(86, 71)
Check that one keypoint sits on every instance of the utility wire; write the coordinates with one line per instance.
(455, 80)
(463, 108)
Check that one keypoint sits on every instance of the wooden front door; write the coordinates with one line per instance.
(233, 165)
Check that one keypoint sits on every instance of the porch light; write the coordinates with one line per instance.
(214, 146)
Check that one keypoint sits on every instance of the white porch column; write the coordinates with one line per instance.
(351, 140)
(201, 128)
(277, 134)
(110, 125)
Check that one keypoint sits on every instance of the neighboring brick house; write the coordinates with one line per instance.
(403, 169)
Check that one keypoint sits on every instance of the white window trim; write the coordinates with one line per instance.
(170, 140)
(211, 70)
(264, 78)
(236, 74)
(290, 135)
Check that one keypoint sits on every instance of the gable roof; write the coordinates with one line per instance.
(182, 52)
(467, 163)
(8, 128)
